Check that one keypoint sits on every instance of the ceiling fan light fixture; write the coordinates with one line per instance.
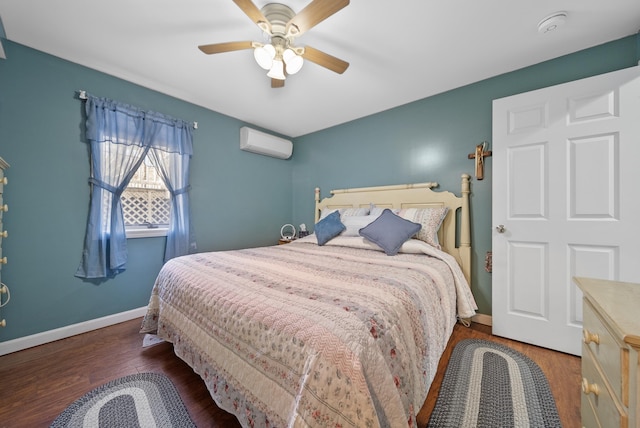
(282, 26)
(288, 54)
(277, 70)
(264, 56)
(294, 64)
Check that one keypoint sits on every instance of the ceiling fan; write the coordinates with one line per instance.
(281, 57)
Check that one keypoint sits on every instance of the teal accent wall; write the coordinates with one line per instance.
(239, 199)
(429, 140)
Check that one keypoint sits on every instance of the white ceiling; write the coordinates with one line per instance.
(399, 51)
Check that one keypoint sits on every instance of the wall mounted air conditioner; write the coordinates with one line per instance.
(265, 144)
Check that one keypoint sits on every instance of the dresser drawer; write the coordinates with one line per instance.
(608, 410)
(610, 354)
(588, 413)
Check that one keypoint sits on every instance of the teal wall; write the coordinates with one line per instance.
(238, 199)
(429, 140)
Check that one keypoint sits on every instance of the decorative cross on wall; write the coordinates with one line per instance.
(479, 155)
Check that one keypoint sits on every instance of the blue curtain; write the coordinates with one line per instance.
(174, 170)
(120, 136)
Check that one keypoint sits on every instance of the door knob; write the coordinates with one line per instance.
(500, 228)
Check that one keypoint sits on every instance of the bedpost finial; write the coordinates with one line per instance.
(466, 179)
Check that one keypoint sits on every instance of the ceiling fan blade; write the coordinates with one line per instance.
(225, 47)
(252, 11)
(277, 83)
(325, 60)
(315, 12)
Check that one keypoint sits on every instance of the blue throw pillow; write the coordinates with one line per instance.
(328, 228)
(389, 232)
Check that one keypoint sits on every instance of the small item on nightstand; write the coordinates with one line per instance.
(287, 234)
(303, 231)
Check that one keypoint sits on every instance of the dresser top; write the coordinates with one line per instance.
(619, 302)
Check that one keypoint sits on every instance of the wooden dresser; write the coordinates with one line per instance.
(610, 353)
(4, 291)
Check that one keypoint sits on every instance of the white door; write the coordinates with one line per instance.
(566, 202)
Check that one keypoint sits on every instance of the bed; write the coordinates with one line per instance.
(333, 335)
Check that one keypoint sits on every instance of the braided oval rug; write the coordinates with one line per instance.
(491, 385)
(139, 400)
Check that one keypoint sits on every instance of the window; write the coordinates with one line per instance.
(120, 137)
(146, 203)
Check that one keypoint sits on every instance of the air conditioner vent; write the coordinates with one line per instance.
(262, 143)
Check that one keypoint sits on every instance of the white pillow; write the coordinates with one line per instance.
(353, 224)
(376, 211)
(345, 212)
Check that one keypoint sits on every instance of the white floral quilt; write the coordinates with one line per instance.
(300, 335)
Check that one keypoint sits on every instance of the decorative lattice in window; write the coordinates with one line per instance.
(146, 199)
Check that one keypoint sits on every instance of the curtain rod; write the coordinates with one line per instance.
(82, 94)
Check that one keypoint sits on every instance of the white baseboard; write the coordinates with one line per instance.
(71, 330)
(83, 327)
(482, 319)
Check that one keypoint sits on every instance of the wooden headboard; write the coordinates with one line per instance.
(418, 195)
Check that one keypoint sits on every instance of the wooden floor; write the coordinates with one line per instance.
(37, 384)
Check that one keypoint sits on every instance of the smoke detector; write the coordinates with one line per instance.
(552, 22)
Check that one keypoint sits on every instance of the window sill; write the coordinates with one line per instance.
(145, 232)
